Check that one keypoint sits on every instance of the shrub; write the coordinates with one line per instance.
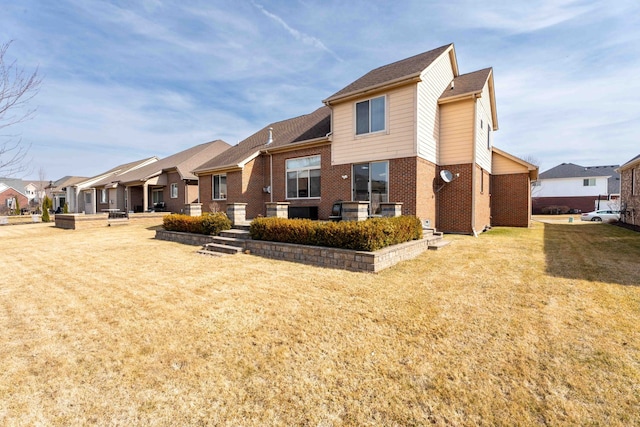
(46, 205)
(369, 235)
(207, 223)
(65, 208)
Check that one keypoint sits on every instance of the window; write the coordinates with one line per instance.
(303, 177)
(370, 116)
(219, 185)
(536, 183)
(87, 198)
(103, 195)
(371, 183)
(589, 182)
(174, 191)
(157, 195)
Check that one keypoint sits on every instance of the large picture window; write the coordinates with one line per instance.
(370, 115)
(303, 177)
(219, 185)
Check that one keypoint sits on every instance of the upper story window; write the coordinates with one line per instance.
(174, 191)
(370, 115)
(589, 182)
(219, 186)
(303, 177)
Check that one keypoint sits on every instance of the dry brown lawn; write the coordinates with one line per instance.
(516, 327)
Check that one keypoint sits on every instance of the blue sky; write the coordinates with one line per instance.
(125, 80)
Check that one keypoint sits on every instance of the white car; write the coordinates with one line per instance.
(601, 215)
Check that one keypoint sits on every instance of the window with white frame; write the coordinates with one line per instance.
(371, 116)
(103, 195)
(589, 182)
(174, 191)
(219, 186)
(303, 177)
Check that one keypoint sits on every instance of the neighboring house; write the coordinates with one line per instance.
(82, 196)
(34, 191)
(573, 187)
(8, 198)
(630, 191)
(166, 185)
(386, 137)
(58, 190)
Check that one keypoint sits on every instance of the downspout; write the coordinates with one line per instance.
(473, 168)
(269, 141)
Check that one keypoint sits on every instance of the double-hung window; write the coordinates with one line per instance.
(219, 185)
(303, 177)
(174, 191)
(370, 115)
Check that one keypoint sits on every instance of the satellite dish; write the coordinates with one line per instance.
(446, 175)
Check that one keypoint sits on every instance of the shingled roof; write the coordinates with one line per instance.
(184, 162)
(405, 69)
(287, 132)
(570, 170)
(467, 83)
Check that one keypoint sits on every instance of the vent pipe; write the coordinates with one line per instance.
(270, 140)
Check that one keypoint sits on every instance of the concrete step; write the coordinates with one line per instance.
(221, 248)
(236, 234)
(230, 241)
(438, 244)
(209, 253)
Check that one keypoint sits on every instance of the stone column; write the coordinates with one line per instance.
(237, 213)
(278, 209)
(391, 209)
(355, 211)
(193, 209)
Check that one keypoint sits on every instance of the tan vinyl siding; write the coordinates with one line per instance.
(505, 166)
(483, 154)
(397, 141)
(456, 133)
(434, 81)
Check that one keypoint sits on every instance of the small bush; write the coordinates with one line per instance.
(207, 223)
(47, 204)
(369, 235)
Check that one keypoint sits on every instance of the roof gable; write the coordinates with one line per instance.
(472, 84)
(399, 71)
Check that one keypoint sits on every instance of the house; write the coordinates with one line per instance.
(58, 190)
(415, 132)
(573, 187)
(166, 185)
(81, 197)
(8, 198)
(34, 191)
(630, 191)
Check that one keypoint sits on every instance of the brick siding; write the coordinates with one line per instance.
(632, 201)
(510, 200)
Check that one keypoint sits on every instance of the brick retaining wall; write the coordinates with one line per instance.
(363, 261)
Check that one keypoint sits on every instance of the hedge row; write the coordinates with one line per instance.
(208, 223)
(369, 235)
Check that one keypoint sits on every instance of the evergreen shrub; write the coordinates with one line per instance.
(207, 223)
(369, 235)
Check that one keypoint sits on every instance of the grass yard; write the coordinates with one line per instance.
(108, 326)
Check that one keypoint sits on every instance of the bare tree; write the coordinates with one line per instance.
(17, 88)
(535, 185)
